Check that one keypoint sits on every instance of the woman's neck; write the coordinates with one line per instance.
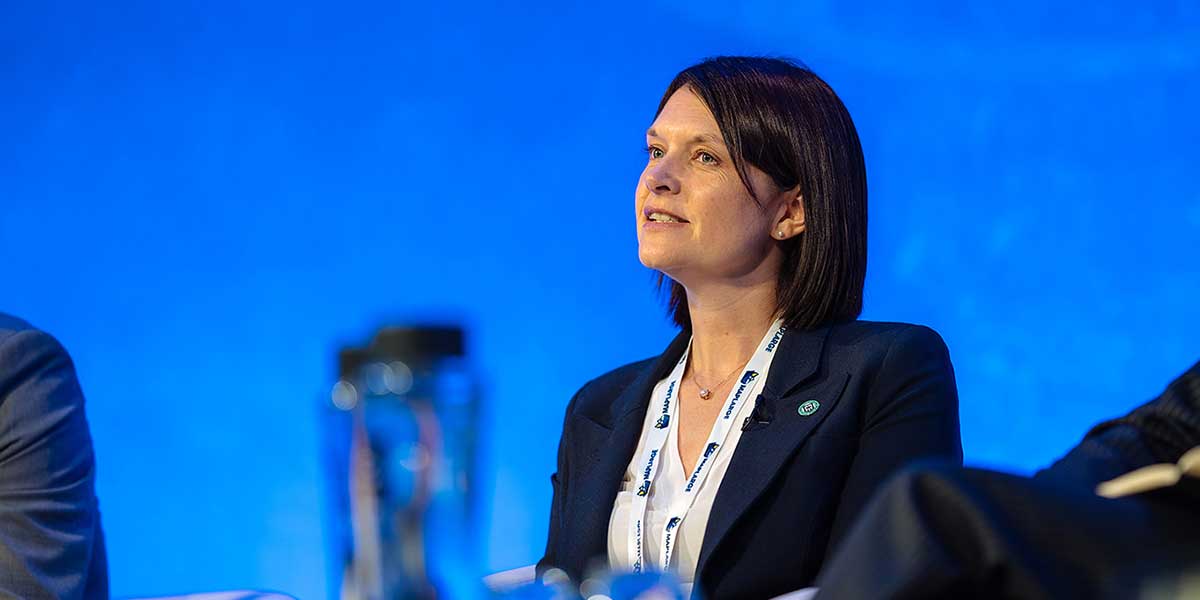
(727, 324)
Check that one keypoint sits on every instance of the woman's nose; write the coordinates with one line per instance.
(661, 179)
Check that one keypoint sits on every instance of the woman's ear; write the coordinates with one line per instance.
(790, 221)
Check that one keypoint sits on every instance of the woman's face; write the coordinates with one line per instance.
(696, 220)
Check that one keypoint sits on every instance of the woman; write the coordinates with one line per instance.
(739, 457)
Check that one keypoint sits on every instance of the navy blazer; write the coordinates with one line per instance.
(795, 483)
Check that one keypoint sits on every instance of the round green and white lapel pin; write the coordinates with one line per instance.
(808, 408)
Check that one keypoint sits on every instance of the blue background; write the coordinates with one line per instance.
(203, 202)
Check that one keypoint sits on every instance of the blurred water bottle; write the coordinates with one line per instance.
(400, 431)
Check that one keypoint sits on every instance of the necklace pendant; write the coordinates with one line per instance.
(705, 393)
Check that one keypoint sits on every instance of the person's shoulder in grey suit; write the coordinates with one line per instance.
(51, 543)
(1159, 431)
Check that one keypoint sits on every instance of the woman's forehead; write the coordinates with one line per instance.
(685, 116)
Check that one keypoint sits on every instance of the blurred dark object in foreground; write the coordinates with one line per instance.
(51, 540)
(400, 443)
(938, 531)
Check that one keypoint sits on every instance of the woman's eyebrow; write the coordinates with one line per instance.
(705, 138)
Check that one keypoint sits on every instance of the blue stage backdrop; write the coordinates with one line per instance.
(204, 201)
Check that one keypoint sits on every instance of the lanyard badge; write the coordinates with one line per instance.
(665, 400)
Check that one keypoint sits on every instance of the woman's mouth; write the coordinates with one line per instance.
(657, 215)
(663, 218)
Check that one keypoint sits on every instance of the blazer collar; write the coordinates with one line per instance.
(762, 452)
(636, 397)
(799, 357)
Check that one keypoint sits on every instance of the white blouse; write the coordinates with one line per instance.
(668, 485)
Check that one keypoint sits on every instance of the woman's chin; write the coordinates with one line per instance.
(659, 261)
(670, 269)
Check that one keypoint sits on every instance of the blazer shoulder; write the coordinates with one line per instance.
(886, 349)
(883, 337)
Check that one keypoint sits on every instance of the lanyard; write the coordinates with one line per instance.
(665, 399)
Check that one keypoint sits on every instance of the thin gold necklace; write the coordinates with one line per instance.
(706, 392)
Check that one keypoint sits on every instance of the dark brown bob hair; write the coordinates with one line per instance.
(780, 117)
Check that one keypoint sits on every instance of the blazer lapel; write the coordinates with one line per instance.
(612, 447)
(761, 451)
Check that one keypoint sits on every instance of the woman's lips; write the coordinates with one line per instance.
(665, 216)
(661, 225)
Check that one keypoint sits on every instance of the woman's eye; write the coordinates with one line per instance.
(707, 158)
(654, 151)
